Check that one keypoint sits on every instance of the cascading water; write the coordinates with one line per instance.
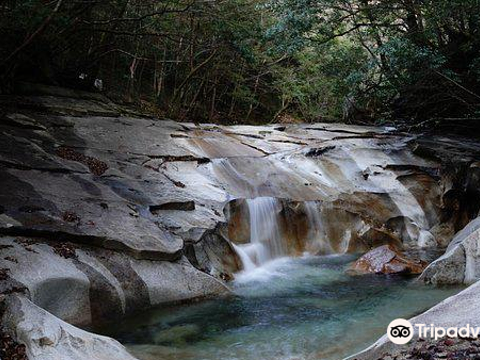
(267, 233)
(316, 230)
(243, 254)
(264, 228)
(307, 307)
(266, 240)
(280, 313)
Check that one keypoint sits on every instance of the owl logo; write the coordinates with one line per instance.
(400, 331)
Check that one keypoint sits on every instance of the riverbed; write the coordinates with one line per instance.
(290, 308)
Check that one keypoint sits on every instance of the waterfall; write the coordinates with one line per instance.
(316, 230)
(245, 258)
(264, 228)
(313, 216)
(266, 240)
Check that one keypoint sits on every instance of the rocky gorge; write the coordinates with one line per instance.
(105, 212)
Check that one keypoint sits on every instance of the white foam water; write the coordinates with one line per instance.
(316, 233)
(266, 240)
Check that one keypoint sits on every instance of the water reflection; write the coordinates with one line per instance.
(304, 308)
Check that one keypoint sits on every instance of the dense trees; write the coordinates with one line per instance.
(189, 57)
(423, 55)
(255, 60)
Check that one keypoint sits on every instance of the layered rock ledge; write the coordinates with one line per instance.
(104, 212)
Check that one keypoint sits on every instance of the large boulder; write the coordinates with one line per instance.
(46, 337)
(79, 170)
(87, 285)
(104, 212)
(386, 260)
(461, 262)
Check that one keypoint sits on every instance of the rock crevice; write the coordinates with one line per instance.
(104, 214)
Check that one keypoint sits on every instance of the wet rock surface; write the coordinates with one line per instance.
(386, 260)
(104, 212)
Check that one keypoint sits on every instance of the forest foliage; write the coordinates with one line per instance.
(252, 61)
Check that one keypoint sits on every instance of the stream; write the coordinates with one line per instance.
(289, 308)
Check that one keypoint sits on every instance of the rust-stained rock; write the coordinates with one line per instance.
(215, 255)
(238, 221)
(133, 194)
(386, 260)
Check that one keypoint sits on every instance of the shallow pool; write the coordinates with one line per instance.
(304, 308)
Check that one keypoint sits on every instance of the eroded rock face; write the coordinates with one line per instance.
(364, 198)
(461, 262)
(386, 260)
(91, 285)
(148, 187)
(214, 254)
(46, 337)
(103, 211)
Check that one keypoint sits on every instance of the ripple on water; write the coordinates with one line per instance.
(304, 308)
